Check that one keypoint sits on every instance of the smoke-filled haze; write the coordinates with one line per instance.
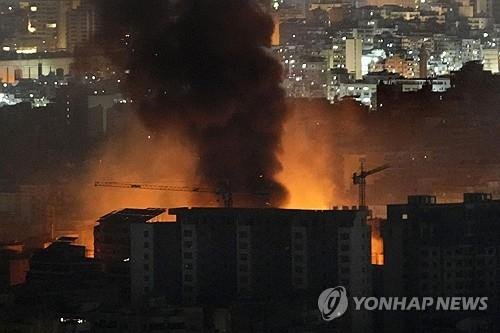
(204, 68)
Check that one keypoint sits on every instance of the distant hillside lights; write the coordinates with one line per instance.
(7, 99)
(50, 25)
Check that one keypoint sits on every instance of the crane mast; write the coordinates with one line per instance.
(359, 178)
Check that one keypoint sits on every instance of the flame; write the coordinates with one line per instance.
(377, 242)
(377, 250)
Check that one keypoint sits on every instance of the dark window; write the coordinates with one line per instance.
(243, 234)
(146, 233)
(344, 236)
(188, 233)
(146, 245)
(244, 256)
(188, 255)
(188, 244)
(188, 278)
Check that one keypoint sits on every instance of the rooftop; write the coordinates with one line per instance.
(468, 198)
(132, 215)
(257, 211)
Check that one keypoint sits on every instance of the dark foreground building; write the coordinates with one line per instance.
(61, 283)
(436, 249)
(14, 264)
(112, 243)
(267, 265)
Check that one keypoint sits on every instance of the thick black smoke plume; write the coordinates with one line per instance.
(204, 66)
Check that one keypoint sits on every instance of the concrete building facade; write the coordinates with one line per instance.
(433, 249)
(354, 51)
(253, 256)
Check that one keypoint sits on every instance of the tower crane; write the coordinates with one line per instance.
(223, 190)
(359, 178)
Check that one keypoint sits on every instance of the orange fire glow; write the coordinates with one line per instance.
(377, 250)
(377, 242)
(307, 170)
(135, 158)
(310, 173)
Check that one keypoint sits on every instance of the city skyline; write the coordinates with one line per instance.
(249, 166)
